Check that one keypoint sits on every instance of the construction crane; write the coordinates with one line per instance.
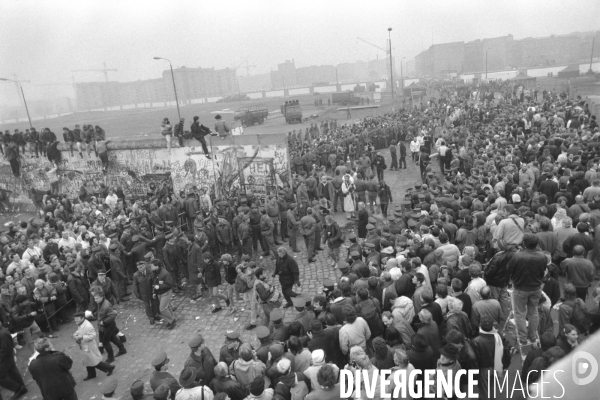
(387, 51)
(104, 70)
(17, 83)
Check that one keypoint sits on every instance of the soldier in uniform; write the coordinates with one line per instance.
(110, 290)
(373, 257)
(354, 246)
(281, 201)
(230, 350)
(273, 211)
(108, 388)
(196, 247)
(304, 316)
(202, 360)
(160, 374)
(292, 227)
(280, 331)
(356, 262)
(266, 230)
(347, 272)
(211, 235)
(244, 236)
(142, 289)
(264, 336)
(255, 217)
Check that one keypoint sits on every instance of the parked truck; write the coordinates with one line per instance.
(292, 111)
(251, 115)
(345, 98)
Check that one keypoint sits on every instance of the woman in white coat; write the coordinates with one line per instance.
(348, 189)
(86, 339)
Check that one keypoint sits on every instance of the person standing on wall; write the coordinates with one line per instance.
(221, 127)
(167, 131)
(178, 131)
(199, 133)
(76, 133)
(102, 151)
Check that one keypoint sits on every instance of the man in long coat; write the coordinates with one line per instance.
(86, 340)
(195, 261)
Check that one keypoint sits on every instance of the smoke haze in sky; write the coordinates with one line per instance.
(42, 41)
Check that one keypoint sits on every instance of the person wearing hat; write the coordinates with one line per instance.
(274, 211)
(102, 310)
(221, 127)
(264, 336)
(328, 286)
(267, 228)
(292, 226)
(173, 258)
(109, 289)
(85, 337)
(137, 392)
(347, 272)
(356, 261)
(201, 360)
(307, 228)
(229, 350)
(195, 260)
(354, 246)
(118, 272)
(142, 290)
(279, 330)
(160, 375)
(318, 361)
(108, 388)
(304, 316)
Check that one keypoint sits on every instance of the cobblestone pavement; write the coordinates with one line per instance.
(145, 341)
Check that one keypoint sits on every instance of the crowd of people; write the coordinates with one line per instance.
(32, 143)
(463, 273)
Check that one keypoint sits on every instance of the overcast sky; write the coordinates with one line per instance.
(42, 41)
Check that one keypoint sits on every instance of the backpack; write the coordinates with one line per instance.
(241, 286)
(579, 317)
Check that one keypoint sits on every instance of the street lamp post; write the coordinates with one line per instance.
(391, 65)
(174, 87)
(22, 94)
(402, 74)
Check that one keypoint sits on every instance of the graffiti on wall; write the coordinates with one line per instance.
(262, 168)
(133, 170)
(32, 176)
(190, 168)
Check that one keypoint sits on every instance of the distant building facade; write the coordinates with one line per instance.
(500, 53)
(192, 83)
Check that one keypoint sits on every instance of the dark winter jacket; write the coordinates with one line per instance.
(51, 371)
